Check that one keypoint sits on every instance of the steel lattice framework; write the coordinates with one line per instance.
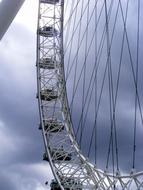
(70, 168)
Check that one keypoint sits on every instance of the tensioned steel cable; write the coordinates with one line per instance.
(111, 100)
(84, 73)
(80, 42)
(71, 13)
(69, 21)
(96, 112)
(78, 45)
(109, 81)
(113, 120)
(87, 55)
(83, 36)
(94, 66)
(116, 93)
(67, 28)
(95, 90)
(137, 70)
(68, 42)
(70, 47)
(131, 62)
(93, 79)
(89, 48)
(115, 19)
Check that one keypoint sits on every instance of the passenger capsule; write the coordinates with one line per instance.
(53, 126)
(50, 1)
(61, 155)
(48, 95)
(45, 157)
(47, 63)
(67, 183)
(54, 185)
(48, 31)
(58, 155)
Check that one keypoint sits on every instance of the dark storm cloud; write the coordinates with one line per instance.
(21, 142)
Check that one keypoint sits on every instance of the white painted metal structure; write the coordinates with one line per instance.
(8, 10)
(70, 168)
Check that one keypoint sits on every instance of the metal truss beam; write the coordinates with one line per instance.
(8, 11)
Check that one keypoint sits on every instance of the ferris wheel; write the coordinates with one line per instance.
(89, 81)
(57, 57)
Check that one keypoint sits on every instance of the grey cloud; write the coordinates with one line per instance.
(21, 146)
(6, 183)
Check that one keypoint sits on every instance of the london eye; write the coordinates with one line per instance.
(76, 41)
(89, 91)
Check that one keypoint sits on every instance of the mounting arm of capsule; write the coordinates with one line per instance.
(8, 11)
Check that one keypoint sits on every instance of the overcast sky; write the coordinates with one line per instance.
(21, 145)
